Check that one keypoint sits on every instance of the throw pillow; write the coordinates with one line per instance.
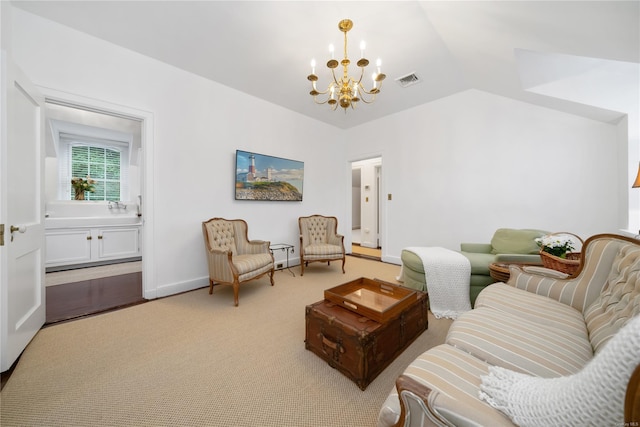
(594, 396)
(512, 241)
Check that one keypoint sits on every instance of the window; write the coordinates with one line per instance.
(104, 161)
(102, 164)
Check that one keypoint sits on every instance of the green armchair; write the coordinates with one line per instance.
(507, 245)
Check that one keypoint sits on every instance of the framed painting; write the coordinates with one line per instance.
(262, 177)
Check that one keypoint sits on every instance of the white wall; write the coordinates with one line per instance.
(5, 26)
(465, 165)
(198, 126)
(628, 128)
(457, 168)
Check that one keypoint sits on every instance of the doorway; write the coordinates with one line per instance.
(365, 207)
(91, 281)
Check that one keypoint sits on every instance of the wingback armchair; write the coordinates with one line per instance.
(232, 257)
(320, 241)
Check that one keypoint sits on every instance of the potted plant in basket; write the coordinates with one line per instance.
(556, 252)
(556, 245)
(81, 185)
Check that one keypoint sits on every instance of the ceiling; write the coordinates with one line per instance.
(560, 55)
(91, 124)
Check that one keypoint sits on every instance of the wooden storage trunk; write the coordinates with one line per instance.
(357, 346)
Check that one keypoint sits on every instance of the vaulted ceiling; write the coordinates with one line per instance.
(581, 57)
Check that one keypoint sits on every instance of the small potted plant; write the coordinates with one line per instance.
(556, 252)
(81, 185)
(555, 244)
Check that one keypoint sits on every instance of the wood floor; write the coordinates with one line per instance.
(74, 300)
(363, 252)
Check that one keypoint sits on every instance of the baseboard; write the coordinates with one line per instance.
(90, 264)
(177, 287)
(292, 263)
(392, 260)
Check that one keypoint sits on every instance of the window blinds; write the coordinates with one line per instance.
(105, 162)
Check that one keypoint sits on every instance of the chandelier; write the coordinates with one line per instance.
(346, 91)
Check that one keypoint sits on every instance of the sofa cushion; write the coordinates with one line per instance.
(512, 241)
(249, 263)
(594, 396)
(479, 262)
(619, 300)
(322, 250)
(455, 377)
(533, 307)
(514, 342)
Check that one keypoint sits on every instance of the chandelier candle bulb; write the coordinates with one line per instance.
(331, 49)
(362, 46)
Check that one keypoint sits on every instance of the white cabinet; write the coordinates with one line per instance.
(68, 246)
(115, 243)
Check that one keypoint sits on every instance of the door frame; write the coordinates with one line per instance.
(146, 118)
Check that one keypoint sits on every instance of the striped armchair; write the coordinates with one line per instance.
(320, 241)
(542, 330)
(232, 257)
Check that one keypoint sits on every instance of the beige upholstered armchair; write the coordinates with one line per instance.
(232, 257)
(319, 240)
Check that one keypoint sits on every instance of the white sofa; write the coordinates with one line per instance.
(534, 344)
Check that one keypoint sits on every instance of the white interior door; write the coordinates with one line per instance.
(22, 290)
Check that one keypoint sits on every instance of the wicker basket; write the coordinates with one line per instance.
(568, 265)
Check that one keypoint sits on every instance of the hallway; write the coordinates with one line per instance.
(357, 250)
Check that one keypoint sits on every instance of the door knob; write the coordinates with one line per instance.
(20, 229)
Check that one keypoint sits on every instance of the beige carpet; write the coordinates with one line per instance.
(196, 360)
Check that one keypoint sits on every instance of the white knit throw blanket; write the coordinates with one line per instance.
(447, 274)
(592, 397)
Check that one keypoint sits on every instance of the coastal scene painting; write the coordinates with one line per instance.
(262, 177)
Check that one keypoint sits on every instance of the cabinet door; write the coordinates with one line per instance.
(68, 247)
(118, 243)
